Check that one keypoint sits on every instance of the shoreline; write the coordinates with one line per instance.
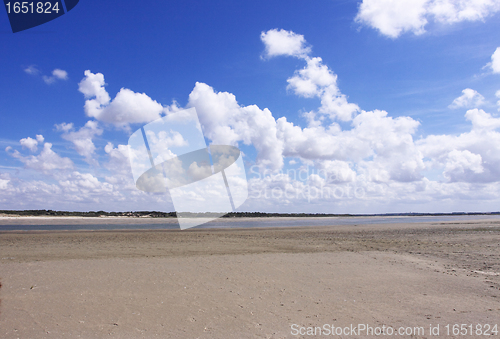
(70, 220)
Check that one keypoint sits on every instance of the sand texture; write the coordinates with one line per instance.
(248, 283)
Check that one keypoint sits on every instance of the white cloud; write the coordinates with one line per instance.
(64, 127)
(373, 135)
(29, 143)
(336, 106)
(482, 121)
(3, 184)
(82, 139)
(126, 108)
(458, 163)
(497, 94)
(469, 98)
(337, 171)
(166, 139)
(163, 142)
(119, 161)
(225, 122)
(57, 74)
(393, 17)
(453, 11)
(92, 85)
(79, 191)
(495, 61)
(110, 187)
(46, 161)
(198, 172)
(60, 74)
(312, 79)
(282, 42)
(472, 156)
(381, 148)
(32, 70)
(84, 183)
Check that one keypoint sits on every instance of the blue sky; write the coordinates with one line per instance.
(382, 112)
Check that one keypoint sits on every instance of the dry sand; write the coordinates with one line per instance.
(248, 283)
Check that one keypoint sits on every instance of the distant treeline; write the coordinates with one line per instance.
(156, 214)
(136, 214)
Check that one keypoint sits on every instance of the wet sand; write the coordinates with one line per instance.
(248, 283)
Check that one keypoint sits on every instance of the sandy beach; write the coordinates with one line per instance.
(251, 283)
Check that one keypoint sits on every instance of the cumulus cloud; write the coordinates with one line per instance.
(79, 191)
(167, 139)
(282, 42)
(314, 80)
(64, 127)
(379, 149)
(29, 143)
(393, 18)
(92, 85)
(4, 183)
(337, 171)
(82, 139)
(377, 142)
(482, 121)
(110, 187)
(495, 61)
(336, 106)
(118, 158)
(388, 141)
(46, 161)
(472, 156)
(126, 108)
(469, 98)
(57, 74)
(453, 11)
(84, 183)
(458, 163)
(225, 122)
(199, 171)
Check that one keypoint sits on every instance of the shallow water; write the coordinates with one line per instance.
(259, 222)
